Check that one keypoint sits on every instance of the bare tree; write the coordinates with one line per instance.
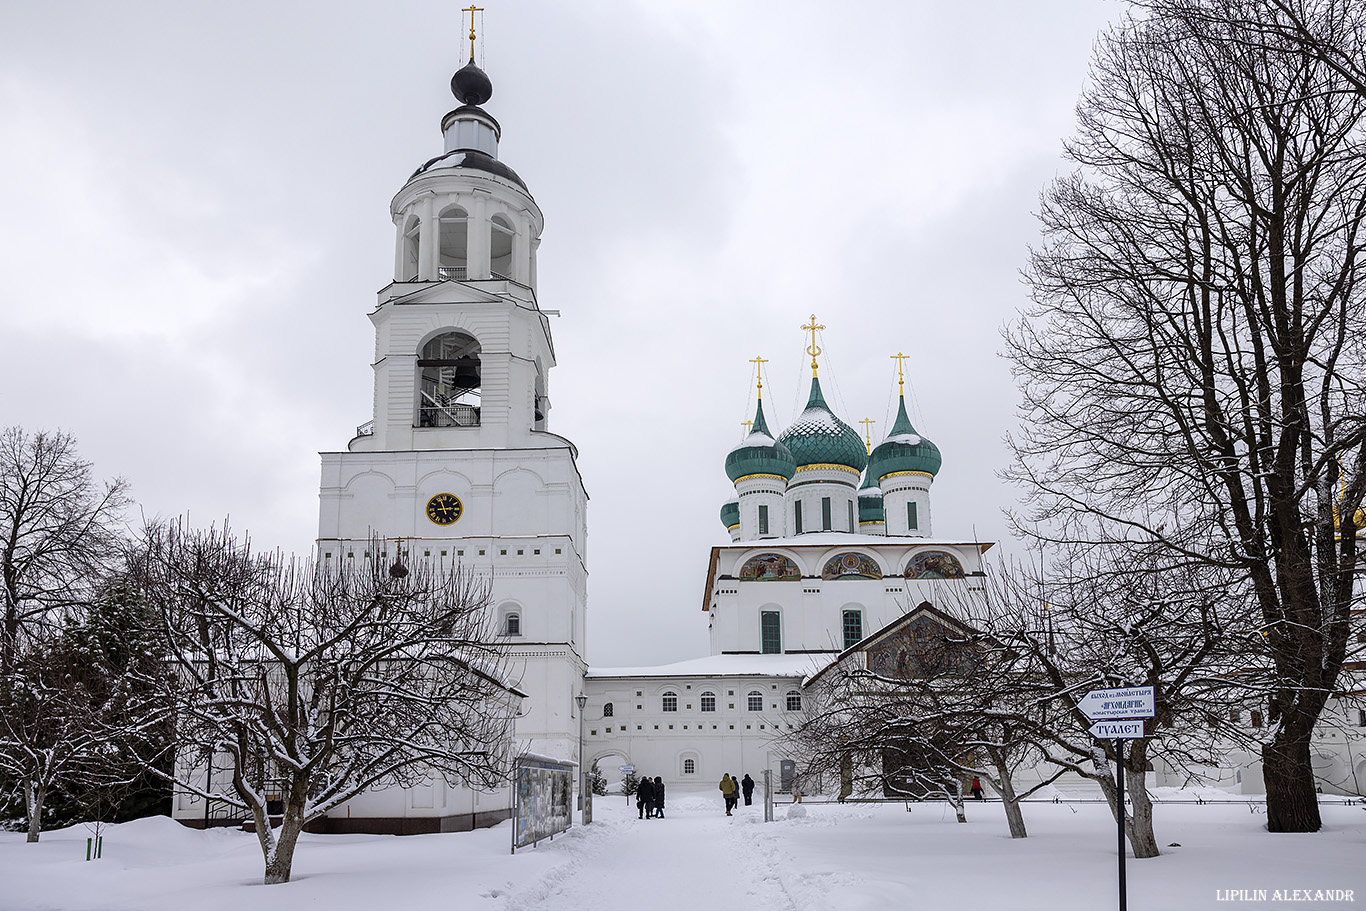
(324, 680)
(1192, 366)
(58, 529)
(73, 717)
(1096, 624)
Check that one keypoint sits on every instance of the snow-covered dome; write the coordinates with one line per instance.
(730, 513)
(760, 453)
(903, 450)
(870, 500)
(817, 437)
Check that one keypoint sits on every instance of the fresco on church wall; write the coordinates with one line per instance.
(851, 566)
(770, 568)
(934, 564)
(921, 648)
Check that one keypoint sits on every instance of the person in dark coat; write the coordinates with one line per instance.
(659, 797)
(645, 798)
(747, 788)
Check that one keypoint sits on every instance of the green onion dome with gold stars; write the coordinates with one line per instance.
(903, 450)
(760, 454)
(817, 437)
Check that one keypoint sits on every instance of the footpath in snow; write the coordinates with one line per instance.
(844, 858)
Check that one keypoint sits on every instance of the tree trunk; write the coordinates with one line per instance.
(1139, 825)
(1291, 802)
(1014, 818)
(34, 795)
(955, 792)
(280, 862)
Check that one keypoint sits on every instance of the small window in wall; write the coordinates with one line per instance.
(1361, 718)
(1235, 716)
(1256, 718)
(690, 767)
(853, 526)
(797, 516)
(708, 702)
(794, 701)
(853, 628)
(912, 516)
(763, 520)
(670, 702)
(512, 624)
(825, 513)
(755, 701)
(770, 633)
(607, 710)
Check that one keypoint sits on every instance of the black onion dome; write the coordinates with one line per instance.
(474, 160)
(471, 85)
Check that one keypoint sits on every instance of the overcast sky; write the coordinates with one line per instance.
(194, 220)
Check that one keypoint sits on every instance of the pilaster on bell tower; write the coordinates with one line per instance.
(458, 462)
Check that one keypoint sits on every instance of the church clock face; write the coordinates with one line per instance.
(445, 509)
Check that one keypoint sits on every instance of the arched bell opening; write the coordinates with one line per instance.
(500, 247)
(453, 254)
(412, 232)
(541, 404)
(450, 382)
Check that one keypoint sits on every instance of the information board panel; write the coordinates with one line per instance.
(542, 799)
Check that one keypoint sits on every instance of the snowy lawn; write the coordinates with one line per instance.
(845, 858)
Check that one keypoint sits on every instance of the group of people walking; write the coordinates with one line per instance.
(650, 797)
(732, 789)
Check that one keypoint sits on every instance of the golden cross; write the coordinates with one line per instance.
(813, 349)
(472, 9)
(746, 425)
(868, 433)
(900, 374)
(759, 363)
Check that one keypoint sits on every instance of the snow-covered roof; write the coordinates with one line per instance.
(844, 538)
(725, 666)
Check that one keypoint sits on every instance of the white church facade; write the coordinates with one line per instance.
(829, 538)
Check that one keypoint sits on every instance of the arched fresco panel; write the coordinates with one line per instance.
(933, 564)
(851, 566)
(770, 568)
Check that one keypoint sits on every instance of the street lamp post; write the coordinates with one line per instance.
(582, 700)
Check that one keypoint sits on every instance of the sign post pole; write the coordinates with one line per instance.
(1118, 715)
(1119, 779)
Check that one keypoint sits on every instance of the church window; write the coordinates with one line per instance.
(797, 516)
(763, 520)
(607, 710)
(1256, 718)
(708, 702)
(825, 513)
(853, 526)
(500, 247)
(690, 766)
(512, 624)
(1361, 718)
(853, 628)
(755, 701)
(770, 633)
(450, 382)
(912, 517)
(794, 701)
(453, 255)
(670, 701)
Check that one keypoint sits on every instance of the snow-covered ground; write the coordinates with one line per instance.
(844, 858)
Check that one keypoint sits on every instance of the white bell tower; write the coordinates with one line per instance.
(458, 465)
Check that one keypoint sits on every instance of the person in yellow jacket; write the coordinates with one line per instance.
(728, 791)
